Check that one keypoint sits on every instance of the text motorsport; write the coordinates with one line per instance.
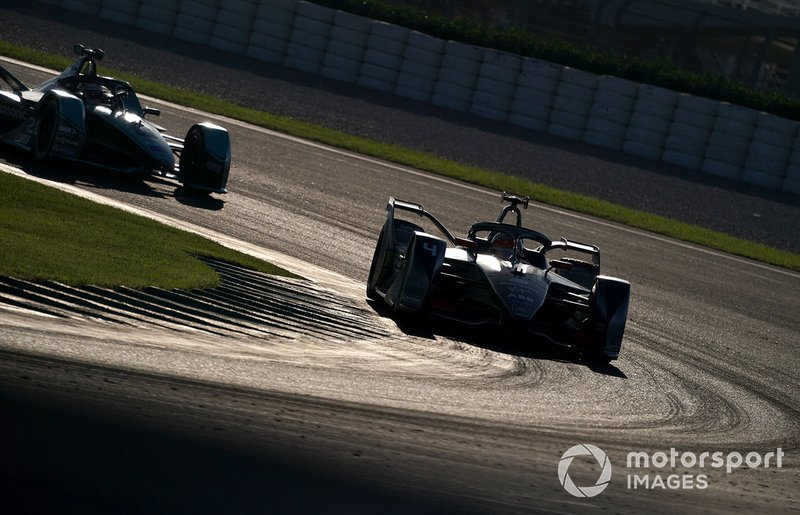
(661, 460)
(691, 460)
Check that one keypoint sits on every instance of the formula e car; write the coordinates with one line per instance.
(503, 274)
(84, 117)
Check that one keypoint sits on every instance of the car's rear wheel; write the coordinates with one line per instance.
(46, 130)
(610, 300)
(372, 292)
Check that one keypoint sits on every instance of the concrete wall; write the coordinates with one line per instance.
(698, 133)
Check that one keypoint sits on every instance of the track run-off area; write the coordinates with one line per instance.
(375, 416)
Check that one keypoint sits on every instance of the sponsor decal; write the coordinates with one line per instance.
(12, 112)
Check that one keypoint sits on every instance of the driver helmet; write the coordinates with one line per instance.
(503, 246)
(96, 94)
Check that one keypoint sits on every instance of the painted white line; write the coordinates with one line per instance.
(451, 182)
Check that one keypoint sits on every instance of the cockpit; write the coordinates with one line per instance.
(102, 91)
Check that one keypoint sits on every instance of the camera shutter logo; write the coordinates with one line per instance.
(584, 450)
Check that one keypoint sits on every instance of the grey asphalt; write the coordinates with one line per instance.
(746, 211)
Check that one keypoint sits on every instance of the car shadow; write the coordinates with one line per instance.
(494, 339)
(66, 172)
(202, 200)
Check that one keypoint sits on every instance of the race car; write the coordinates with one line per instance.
(84, 117)
(503, 274)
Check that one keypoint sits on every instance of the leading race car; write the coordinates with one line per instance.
(84, 117)
(501, 273)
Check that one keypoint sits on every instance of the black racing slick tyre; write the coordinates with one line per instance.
(372, 293)
(205, 158)
(44, 135)
(610, 301)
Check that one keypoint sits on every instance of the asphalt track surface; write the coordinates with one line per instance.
(104, 417)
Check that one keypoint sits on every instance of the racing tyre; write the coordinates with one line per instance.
(206, 158)
(423, 261)
(372, 293)
(46, 130)
(610, 300)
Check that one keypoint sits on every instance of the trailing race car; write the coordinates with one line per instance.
(500, 274)
(84, 117)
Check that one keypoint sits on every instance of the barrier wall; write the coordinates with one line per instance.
(698, 133)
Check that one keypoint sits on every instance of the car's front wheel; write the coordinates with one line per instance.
(46, 130)
(206, 158)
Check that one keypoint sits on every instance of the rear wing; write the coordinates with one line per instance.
(418, 210)
(584, 248)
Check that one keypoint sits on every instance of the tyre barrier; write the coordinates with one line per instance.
(495, 85)
(272, 29)
(235, 20)
(157, 16)
(729, 140)
(420, 67)
(346, 46)
(458, 74)
(714, 137)
(770, 151)
(90, 7)
(572, 103)
(610, 113)
(383, 56)
(125, 12)
(791, 181)
(308, 42)
(650, 121)
(690, 131)
(533, 98)
(195, 21)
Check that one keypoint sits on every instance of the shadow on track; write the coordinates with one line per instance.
(495, 339)
(73, 455)
(193, 198)
(65, 172)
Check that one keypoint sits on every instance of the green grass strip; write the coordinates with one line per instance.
(50, 234)
(409, 157)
